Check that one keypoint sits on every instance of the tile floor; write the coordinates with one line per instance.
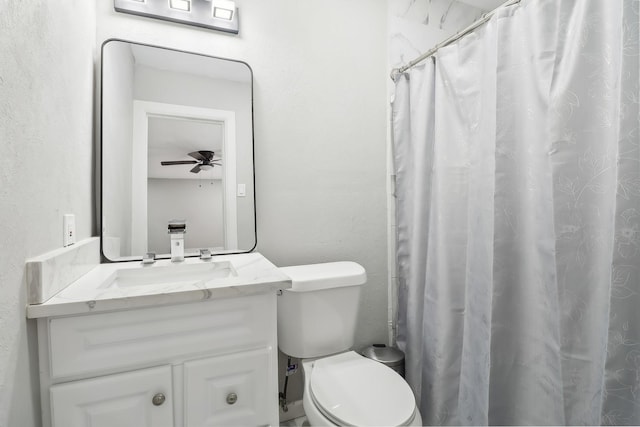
(296, 422)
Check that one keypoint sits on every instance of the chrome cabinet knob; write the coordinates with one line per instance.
(158, 399)
(232, 398)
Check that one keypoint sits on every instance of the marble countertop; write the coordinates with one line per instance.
(94, 291)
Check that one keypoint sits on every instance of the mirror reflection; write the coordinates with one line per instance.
(177, 143)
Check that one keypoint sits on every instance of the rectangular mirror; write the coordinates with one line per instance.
(177, 143)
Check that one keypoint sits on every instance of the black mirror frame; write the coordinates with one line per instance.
(99, 175)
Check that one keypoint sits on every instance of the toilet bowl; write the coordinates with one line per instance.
(350, 390)
(317, 322)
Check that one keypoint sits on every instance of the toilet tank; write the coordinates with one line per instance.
(317, 315)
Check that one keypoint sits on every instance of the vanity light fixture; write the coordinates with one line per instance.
(180, 5)
(221, 15)
(224, 9)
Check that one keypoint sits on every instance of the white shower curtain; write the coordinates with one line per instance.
(518, 219)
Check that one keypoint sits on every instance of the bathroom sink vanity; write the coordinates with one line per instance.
(196, 348)
(143, 341)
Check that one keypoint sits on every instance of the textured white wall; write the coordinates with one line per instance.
(46, 164)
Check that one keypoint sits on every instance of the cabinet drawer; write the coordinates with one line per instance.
(231, 390)
(109, 341)
(123, 400)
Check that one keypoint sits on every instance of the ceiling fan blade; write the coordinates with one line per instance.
(203, 155)
(196, 169)
(178, 162)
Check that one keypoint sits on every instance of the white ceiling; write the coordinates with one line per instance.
(483, 4)
(181, 62)
(184, 135)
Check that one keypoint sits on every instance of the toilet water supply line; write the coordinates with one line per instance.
(283, 394)
(457, 36)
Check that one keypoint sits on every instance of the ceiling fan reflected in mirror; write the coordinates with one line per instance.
(204, 161)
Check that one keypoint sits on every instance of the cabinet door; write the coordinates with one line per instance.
(121, 400)
(230, 390)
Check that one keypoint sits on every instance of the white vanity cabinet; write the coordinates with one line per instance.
(208, 363)
(140, 398)
(229, 390)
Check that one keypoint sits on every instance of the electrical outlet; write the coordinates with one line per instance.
(68, 229)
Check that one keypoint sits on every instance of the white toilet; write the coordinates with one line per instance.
(316, 322)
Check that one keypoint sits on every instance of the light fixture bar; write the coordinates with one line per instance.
(224, 9)
(184, 5)
(220, 15)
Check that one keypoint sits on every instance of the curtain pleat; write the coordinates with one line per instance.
(518, 219)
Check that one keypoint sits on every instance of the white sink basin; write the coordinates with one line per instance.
(126, 285)
(170, 275)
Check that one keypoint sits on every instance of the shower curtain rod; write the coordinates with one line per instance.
(397, 71)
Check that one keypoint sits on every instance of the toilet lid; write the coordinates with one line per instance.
(352, 390)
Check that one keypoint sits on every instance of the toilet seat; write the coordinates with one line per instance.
(351, 390)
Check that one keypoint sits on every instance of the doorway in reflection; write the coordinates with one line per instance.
(162, 105)
(183, 187)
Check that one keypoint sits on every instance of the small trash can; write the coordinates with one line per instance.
(390, 356)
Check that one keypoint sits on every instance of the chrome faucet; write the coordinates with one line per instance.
(177, 228)
(205, 254)
(149, 258)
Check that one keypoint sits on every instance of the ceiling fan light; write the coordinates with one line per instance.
(206, 167)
